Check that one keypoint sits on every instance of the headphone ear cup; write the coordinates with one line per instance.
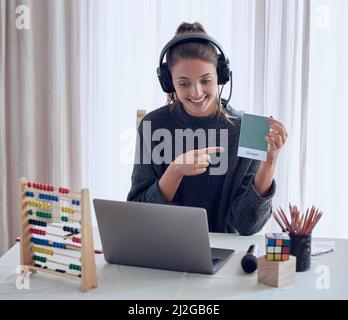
(165, 78)
(223, 70)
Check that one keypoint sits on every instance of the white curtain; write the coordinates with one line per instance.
(3, 169)
(266, 41)
(71, 84)
(118, 76)
(325, 172)
(40, 106)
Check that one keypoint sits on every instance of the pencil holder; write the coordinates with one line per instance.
(300, 247)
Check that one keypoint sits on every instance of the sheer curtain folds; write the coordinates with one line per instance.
(40, 107)
(266, 41)
(71, 84)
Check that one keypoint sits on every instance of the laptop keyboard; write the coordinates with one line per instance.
(215, 261)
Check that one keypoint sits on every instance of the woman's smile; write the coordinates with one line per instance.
(195, 83)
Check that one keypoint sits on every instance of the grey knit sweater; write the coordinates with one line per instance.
(230, 199)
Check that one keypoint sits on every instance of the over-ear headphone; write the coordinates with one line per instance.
(163, 73)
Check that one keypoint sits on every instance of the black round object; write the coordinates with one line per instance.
(249, 263)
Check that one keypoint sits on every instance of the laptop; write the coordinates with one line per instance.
(157, 236)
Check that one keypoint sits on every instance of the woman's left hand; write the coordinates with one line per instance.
(276, 139)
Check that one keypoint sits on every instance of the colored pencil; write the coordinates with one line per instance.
(302, 224)
(279, 222)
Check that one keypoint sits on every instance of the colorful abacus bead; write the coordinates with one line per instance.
(277, 246)
(42, 242)
(46, 215)
(76, 239)
(37, 223)
(59, 245)
(71, 230)
(42, 250)
(60, 271)
(48, 197)
(39, 258)
(40, 186)
(63, 190)
(39, 204)
(68, 210)
(74, 267)
(37, 231)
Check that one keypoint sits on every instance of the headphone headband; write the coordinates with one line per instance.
(191, 37)
(163, 73)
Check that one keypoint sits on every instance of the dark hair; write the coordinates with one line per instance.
(192, 50)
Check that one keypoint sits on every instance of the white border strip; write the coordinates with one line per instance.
(252, 153)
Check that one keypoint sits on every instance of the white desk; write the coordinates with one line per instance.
(230, 282)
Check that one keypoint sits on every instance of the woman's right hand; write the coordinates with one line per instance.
(194, 162)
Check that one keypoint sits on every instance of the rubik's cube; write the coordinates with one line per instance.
(277, 246)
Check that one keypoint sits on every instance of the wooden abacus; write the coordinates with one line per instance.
(40, 247)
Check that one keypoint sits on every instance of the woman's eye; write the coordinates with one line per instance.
(187, 85)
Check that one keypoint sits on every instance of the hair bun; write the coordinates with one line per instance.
(186, 27)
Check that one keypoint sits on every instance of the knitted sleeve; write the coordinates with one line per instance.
(145, 177)
(249, 212)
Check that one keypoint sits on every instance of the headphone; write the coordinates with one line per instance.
(163, 73)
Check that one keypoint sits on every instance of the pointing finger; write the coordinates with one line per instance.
(210, 150)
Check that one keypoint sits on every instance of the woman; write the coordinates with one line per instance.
(237, 198)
